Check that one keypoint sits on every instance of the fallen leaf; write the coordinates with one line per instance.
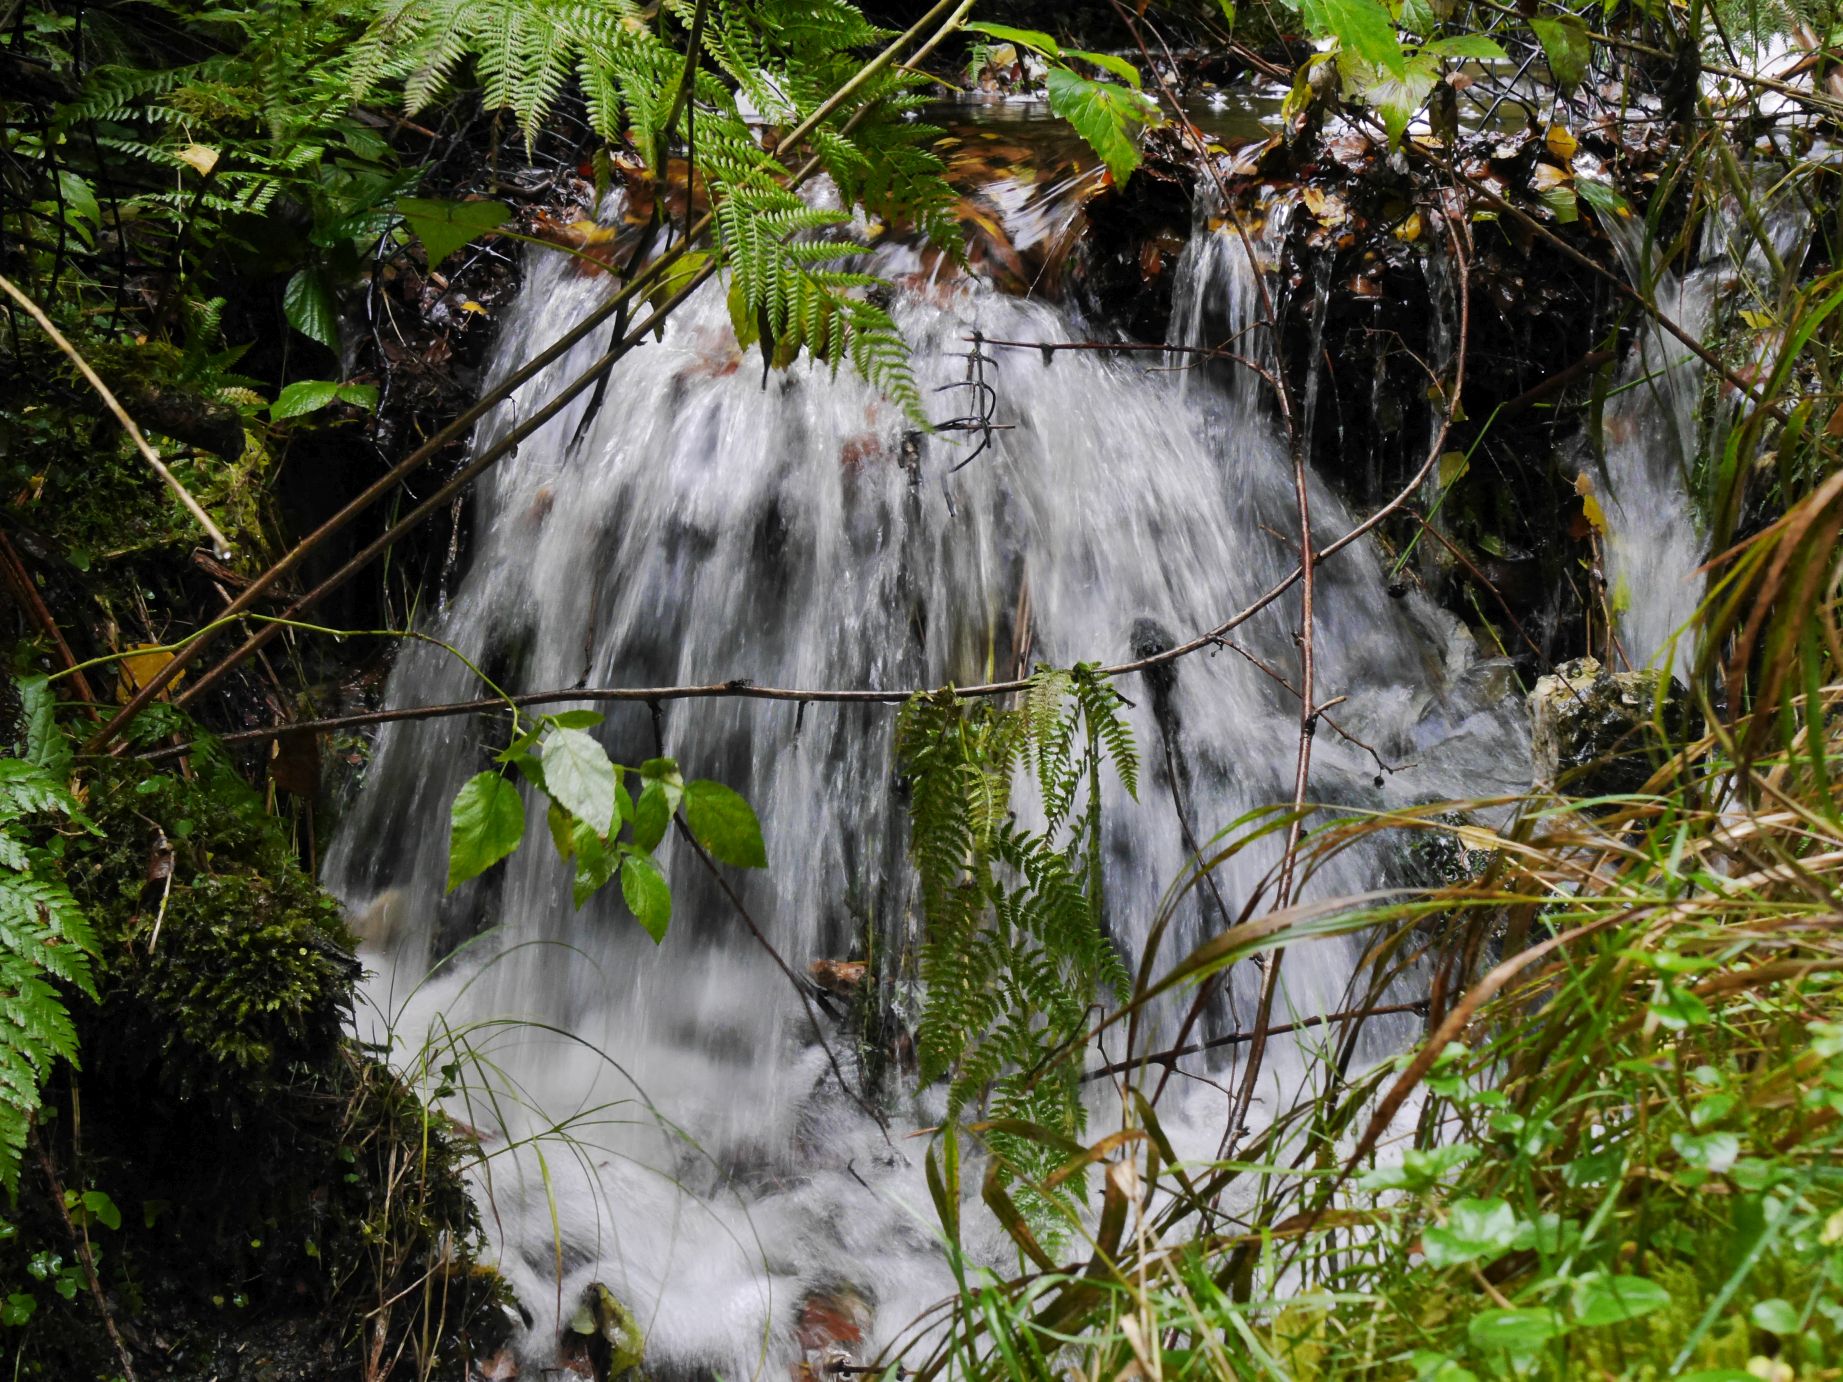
(1562, 143)
(200, 157)
(142, 664)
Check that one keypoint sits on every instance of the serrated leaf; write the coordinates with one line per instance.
(724, 824)
(652, 814)
(1566, 45)
(443, 226)
(648, 895)
(1109, 117)
(1397, 94)
(359, 396)
(1027, 38)
(596, 861)
(576, 719)
(302, 397)
(1107, 62)
(307, 303)
(486, 824)
(1474, 46)
(578, 775)
(1362, 28)
(1601, 1299)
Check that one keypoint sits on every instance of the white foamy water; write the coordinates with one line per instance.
(669, 1112)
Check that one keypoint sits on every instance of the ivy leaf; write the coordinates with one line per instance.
(1363, 28)
(303, 396)
(1602, 1299)
(648, 895)
(1566, 46)
(1516, 1332)
(443, 227)
(307, 303)
(579, 776)
(487, 822)
(1107, 116)
(102, 1209)
(725, 825)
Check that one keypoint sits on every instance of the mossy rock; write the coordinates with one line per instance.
(287, 1204)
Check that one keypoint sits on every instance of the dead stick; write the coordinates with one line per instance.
(1170, 1058)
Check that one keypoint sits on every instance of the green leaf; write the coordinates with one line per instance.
(1602, 197)
(303, 396)
(307, 303)
(102, 1209)
(1107, 62)
(443, 227)
(1025, 38)
(1363, 28)
(1566, 45)
(725, 825)
(1465, 46)
(652, 814)
(1709, 1151)
(578, 775)
(1675, 1008)
(1397, 95)
(1107, 116)
(18, 1308)
(1776, 1316)
(1516, 1332)
(360, 396)
(488, 821)
(1602, 1299)
(562, 827)
(596, 861)
(1228, 11)
(648, 895)
(1561, 200)
(1474, 1230)
(576, 719)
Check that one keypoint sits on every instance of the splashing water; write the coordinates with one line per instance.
(667, 1107)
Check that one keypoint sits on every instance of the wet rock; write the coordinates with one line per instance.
(841, 978)
(1591, 728)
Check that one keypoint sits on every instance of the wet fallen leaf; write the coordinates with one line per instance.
(1590, 504)
(1328, 207)
(143, 663)
(1546, 177)
(1410, 229)
(1562, 143)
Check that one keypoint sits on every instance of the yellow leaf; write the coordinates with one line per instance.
(144, 662)
(1590, 506)
(1759, 321)
(1409, 230)
(201, 157)
(1547, 176)
(471, 306)
(1473, 837)
(1562, 143)
(1452, 466)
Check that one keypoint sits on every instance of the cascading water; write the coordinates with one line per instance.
(1652, 426)
(660, 1117)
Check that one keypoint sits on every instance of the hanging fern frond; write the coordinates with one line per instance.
(1015, 948)
(44, 936)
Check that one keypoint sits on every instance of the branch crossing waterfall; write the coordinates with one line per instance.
(1657, 433)
(660, 1118)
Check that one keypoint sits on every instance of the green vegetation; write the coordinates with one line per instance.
(1616, 1150)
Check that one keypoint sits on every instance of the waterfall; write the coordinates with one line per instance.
(1655, 438)
(666, 1107)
